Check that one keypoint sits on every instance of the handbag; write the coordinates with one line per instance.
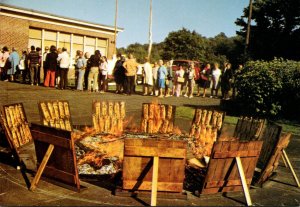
(180, 79)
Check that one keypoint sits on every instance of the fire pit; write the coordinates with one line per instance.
(102, 153)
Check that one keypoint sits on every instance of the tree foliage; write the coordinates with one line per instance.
(186, 44)
(275, 31)
(270, 88)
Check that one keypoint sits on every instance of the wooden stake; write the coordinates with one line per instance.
(42, 166)
(244, 182)
(154, 181)
(291, 167)
(284, 161)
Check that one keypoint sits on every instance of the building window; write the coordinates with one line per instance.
(102, 46)
(35, 38)
(50, 38)
(90, 45)
(77, 44)
(65, 41)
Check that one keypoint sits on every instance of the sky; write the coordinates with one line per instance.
(206, 17)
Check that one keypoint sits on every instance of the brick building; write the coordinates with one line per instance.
(22, 28)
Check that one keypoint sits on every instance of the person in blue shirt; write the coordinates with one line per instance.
(14, 58)
(161, 77)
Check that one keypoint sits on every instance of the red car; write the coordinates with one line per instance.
(185, 64)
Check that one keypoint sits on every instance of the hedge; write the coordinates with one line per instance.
(270, 89)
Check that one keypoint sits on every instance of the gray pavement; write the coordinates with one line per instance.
(280, 191)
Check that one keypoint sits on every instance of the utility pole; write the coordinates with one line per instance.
(150, 31)
(115, 37)
(248, 27)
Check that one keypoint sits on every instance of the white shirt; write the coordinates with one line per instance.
(64, 60)
(104, 68)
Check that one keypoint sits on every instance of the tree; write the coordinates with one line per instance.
(184, 44)
(275, 31)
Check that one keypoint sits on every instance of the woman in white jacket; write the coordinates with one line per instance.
(148, 77)
(216, 73)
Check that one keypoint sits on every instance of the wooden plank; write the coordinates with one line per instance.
(212, 165)
(154, 181)
(146, 185)
(232, 154)
(41, 167)
(62, 165)
(222, 174)
(244, 182)
(152, 152)
(60, 175)
(46, 138)
(146, 194)
(221, 183)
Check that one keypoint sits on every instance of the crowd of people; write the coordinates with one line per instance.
(160, 79)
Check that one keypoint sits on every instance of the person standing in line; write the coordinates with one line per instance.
(57, 73)
(33, 62)
(169, 86)
(44, 60)
(155, 84)
(14, 59)
(81, 65)
(236, 74)
(4, 55)
(94, 62)
(215, 78)
(161, 78)
(148, 77)
(51, 66)
(104, 72)
(119, 73)
(39, 50)
(64, 63)
(87, 56)
(22, 65)
(226, 81)
(179, 80)
(130, 66)
(205, 75)
(191, 80)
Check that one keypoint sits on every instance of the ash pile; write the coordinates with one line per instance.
(99, 154)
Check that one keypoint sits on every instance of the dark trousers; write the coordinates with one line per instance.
(63, 78)
(86, 77)
(130, 84)
(34, 68)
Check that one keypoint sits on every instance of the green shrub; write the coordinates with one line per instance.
(270, 89)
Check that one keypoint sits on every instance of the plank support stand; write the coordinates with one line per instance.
(41, 167)
(291, 167)
(244, 182)
(284, 161)
(154, 181)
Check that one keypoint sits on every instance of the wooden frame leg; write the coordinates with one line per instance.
(154, 181)
(291, 167)
(42, 166)
(243, 180)
(284, 161)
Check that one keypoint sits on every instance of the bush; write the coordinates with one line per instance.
(270, 89)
